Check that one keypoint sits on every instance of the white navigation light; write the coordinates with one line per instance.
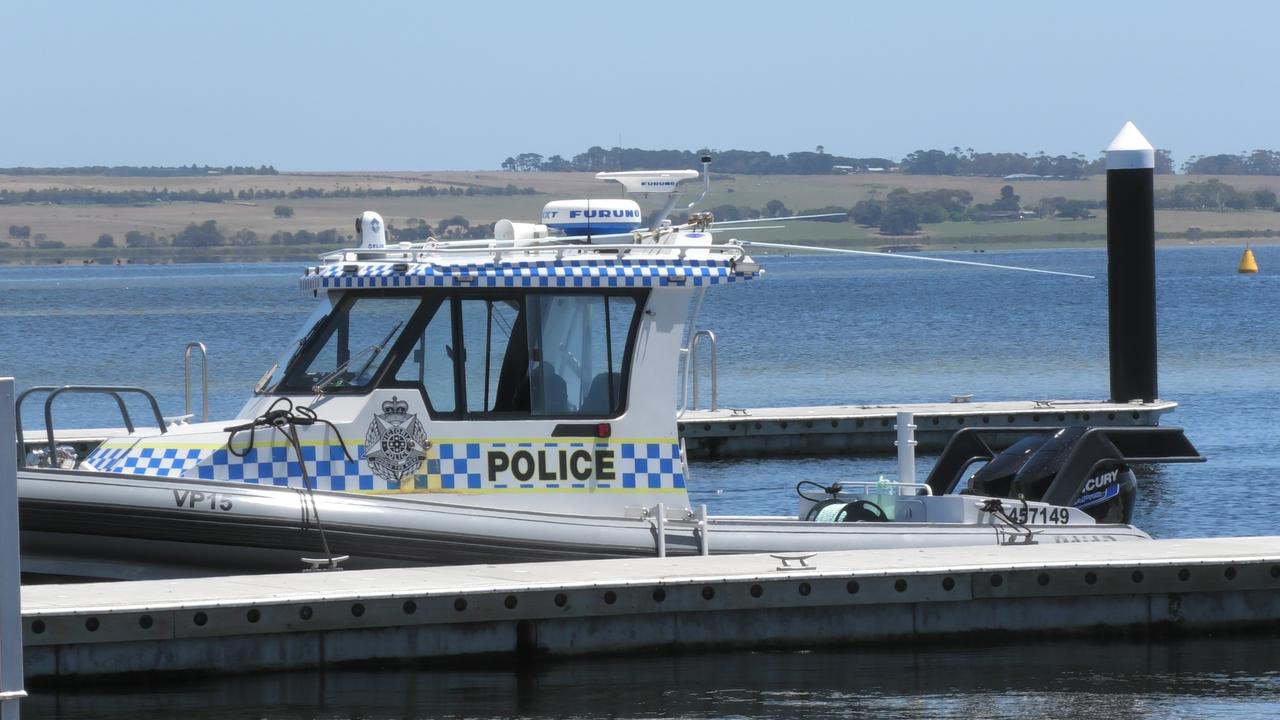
(372, 231)
(592, 217)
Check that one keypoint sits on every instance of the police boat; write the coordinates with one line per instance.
(513, 400)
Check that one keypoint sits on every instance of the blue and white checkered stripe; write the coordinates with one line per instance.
(458, 465)
(158, 461)
(636, 466)
(455, 466)
(581, 273)
(651, 465)
(105, 458)
(327, 467)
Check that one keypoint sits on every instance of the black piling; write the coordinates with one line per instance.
(1131, 266)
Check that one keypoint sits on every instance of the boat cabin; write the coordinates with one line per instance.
(509, 373)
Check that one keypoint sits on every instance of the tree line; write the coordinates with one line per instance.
(969, 162)
(143, 171)
(902, 212)
(899, 212)
(208, 234)
(1213, 194)
(818, 162)
(598, 159)
(1257, 162)
(84, 196)
(957, 161)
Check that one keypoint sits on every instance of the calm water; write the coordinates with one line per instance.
(1064, 681)
(814, 331)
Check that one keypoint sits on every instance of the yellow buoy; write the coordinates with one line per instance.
(1247, 263)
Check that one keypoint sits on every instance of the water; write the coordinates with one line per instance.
(814, 331)
(1064, 680)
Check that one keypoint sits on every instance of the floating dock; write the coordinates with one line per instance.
(869, 429)
(266, 623)
(826, 429)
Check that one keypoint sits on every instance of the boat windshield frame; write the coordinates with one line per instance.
(295, 380)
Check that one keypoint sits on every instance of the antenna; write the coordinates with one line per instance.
(655, 181)
(902, 256)
(706, 180)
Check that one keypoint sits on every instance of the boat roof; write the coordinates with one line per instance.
(681, 259)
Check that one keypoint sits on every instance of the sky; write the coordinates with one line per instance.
(370, 85)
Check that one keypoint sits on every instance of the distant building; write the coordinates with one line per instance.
(1031, 177)
(1005, 215)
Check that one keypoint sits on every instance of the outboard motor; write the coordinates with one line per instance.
(1107, 495)
(995, 479)
(1028, 467)
(1082, 467)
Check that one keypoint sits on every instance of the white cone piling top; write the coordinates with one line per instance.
(1130, 150)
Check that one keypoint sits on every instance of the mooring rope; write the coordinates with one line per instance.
(286, 420)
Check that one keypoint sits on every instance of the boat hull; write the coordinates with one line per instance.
(100, 525)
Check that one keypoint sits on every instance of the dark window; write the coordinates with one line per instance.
(577, 346)
(472, 353)
(428, 363)
(513, 354)
(353, 344)
(487, 325)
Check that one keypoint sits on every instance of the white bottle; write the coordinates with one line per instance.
(886, 496)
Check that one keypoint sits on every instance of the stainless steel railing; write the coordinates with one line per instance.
(112, 391)
(693, 367)
(204, 379)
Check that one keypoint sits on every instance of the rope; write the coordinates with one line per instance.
(286, 421)
(996, 509)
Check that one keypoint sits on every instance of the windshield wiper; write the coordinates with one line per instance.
(265, 381)
(261, 385)
(373, 351)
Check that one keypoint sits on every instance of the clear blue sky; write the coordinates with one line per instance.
(462, 85)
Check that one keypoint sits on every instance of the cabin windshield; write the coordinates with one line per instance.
(512, 354)
(346, 350)
(575, 348)
(476, 353)
(272, 378)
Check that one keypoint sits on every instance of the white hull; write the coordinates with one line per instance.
(123, 526)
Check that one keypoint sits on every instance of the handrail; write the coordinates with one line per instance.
(696, 520)
(204, 379)
(54, 391)
(693, 366)
(865, 486)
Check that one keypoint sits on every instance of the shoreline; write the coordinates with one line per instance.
(323, 204)
(80, 257)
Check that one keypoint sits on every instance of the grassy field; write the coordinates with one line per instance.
(80, 225)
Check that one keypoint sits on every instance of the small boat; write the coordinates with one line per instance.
(509, 400)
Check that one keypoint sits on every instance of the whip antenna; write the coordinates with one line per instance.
(899, 256)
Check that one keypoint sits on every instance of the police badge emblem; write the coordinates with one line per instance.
(397, 442)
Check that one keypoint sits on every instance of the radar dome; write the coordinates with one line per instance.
(578, 218)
